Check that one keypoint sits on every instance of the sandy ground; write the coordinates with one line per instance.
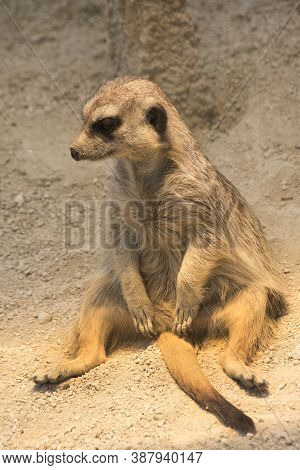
(131, 401)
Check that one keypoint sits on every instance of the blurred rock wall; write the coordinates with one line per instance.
(157, 39)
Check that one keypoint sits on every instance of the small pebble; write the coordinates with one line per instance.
(19, 199)
(44, 317)
(295, 354)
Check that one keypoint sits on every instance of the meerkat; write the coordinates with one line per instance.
(184, 256)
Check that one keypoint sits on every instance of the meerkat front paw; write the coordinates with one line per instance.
(142, 320)
(184, 316)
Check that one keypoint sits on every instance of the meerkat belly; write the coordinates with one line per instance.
(159, 269)
(162, 244)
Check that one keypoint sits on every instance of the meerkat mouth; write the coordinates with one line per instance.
(79, 156)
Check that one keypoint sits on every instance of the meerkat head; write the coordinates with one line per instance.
(127, 118)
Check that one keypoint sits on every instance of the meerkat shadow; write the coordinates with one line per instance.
(49, 387)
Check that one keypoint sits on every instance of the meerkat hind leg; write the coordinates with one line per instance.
(68, 368)
(90, 335)
(244, 317)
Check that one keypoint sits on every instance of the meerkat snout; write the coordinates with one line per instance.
(75, 154)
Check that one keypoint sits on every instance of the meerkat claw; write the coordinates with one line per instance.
(143, 323)
(186, 326)
(178, 329)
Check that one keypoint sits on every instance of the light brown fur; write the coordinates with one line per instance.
(188, 258)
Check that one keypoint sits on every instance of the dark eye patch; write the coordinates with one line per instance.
(106, 126)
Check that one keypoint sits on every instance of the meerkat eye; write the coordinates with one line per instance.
(157, 117)
(106, 126)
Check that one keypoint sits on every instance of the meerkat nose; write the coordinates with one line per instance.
(75, 153)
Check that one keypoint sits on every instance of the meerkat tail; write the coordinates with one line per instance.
(181, 361)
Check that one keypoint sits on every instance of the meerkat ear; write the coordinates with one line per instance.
(157, 117)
